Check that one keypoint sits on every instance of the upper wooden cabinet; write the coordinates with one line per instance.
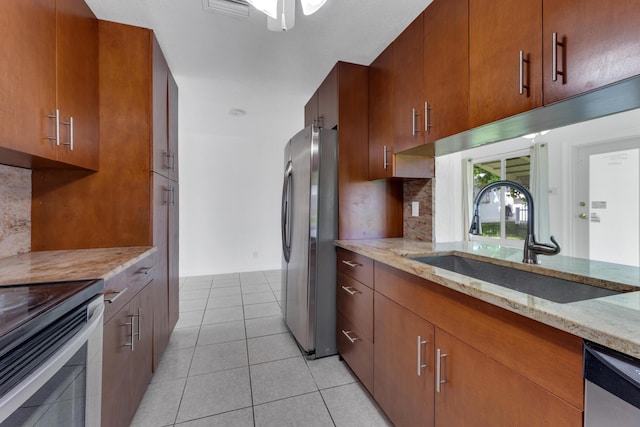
(381, 116)
(446, 68)
(50, 66)
(594, 45)
(408, 101)
(505, 58)
(322, 109)
(77, 83)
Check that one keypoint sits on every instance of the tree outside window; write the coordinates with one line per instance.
(503, 211)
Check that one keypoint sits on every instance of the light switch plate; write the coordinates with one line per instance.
(415, 208)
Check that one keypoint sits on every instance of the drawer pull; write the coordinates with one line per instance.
(351, 264)
(352, 339)
(349, 290)
(116, 295)
(145, 270)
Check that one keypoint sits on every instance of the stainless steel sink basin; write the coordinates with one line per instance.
(550, 288)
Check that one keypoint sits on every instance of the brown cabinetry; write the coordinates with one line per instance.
(505, 58)
(447, 359)
(403, 364)
(49, 83)
(381, 157)
(408, 101)
(322, 109)
(354, 302)
(490, 393)
(587, 46)
(127, 359)
(366, 209)
(446, 68)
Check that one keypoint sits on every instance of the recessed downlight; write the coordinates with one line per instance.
(237, 112)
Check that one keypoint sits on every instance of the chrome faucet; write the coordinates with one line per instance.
(531, 247)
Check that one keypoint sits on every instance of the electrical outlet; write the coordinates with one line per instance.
(415, 208)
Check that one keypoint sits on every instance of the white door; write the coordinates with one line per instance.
(606, 204)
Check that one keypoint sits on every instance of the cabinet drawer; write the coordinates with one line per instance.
(357, 266)
(355, 303)
(122, 287)
(357, 352)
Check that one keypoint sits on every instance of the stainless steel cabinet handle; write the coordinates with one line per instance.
(352, 339)
(554, 57)
(414, 129)
(439, 380)
(70, 124)
(420, 364)
(349, 290)
(427, 117)
(350, 263)
(132, 324)
(384, 157)
(56, 116)
(170, 162)
(139, 323)
(171, 195)
(117, 294)
(523, 60)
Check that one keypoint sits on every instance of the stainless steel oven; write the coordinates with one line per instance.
(51, 354)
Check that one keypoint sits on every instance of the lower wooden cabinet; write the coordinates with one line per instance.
(476, 390)
(403, 364)
(127, 358)
(441, 358)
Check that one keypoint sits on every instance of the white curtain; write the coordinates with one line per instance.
(467, 196)
(540, 189)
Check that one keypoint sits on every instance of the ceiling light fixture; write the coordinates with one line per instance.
(281, 14)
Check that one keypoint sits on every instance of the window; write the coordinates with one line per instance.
(503, 211)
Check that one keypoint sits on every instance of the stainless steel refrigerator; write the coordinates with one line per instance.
(309, 226)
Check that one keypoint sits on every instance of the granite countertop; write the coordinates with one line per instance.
(76, 264)
(613, 321)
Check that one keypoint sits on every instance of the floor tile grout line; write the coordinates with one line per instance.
(246, 343)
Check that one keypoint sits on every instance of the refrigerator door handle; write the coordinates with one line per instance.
(285, 222)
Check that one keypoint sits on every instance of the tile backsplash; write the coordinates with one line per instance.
(15, 211)
(420, 227)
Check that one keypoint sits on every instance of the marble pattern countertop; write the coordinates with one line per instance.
(613, 321)
(77, 264)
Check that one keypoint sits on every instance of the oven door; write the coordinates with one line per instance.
(65, 390)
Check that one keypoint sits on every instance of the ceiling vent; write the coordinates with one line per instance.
(235, 8)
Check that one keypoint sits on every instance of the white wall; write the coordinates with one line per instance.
(562, 143)
(231, 175)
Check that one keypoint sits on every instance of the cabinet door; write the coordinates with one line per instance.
(163, 192)
(140, 368)
(172, 111)
(77, 83)
(499, 30)
(408, 102)
(381, 116)
(597, 45)
(446, 68)
(403, 364)
(311, 111)
(356, 350)
(173, 255)
(328, 100)
(161, 158)
(28, 77)
(476, 390)
(116, 405)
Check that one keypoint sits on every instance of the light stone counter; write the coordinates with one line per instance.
(78, 264)
(613, 321)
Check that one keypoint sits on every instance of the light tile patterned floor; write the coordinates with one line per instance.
(232, 362)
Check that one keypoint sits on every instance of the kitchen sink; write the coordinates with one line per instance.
(550, 288)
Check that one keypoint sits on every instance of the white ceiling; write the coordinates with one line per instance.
(203, 45)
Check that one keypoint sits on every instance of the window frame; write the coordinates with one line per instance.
(502, 158)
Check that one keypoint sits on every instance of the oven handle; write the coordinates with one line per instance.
(16, 397)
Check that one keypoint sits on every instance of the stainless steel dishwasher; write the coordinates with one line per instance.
(612, 388)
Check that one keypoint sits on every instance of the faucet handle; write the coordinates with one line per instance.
(545, 248)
